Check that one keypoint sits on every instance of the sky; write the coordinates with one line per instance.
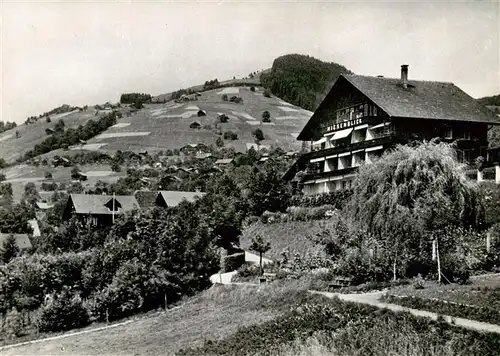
(80, 53)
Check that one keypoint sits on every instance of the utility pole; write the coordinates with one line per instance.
(113, 212)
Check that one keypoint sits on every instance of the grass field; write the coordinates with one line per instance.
(11, 147)
(166, 126)
(213, 315)
(19, 175)
(291, 236)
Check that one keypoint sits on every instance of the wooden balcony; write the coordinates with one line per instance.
(320, 175)
(384, 140)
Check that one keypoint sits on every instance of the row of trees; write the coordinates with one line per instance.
(71, 136)
(5, 126)
(132, 98)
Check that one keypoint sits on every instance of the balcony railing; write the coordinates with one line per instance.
(312, 176)
(352, 146)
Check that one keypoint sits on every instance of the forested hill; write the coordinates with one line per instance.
(490, 100)
(302, 80)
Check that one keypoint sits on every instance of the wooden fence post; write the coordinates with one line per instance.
(488, 241)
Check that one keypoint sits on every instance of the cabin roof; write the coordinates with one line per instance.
(96, 204)
(420, 100)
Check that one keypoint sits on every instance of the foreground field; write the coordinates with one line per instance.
(281, 318)
(211, 316)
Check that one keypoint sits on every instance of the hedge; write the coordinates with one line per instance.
(337, 199)
(234, 261)
(488, 315)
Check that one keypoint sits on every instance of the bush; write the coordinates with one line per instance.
(337, 199)
(267, 93)
(266, 116)
(115, 167)
(252, 88)
(48, 175)
(64, 312)
(223, 118)
(230, 135)
(224, 97)
(13, 324)
(234, 261)
(248, 270)
(258, 134)
(2, 177)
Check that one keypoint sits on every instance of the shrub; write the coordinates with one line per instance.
(248, 270)
(267, 93)
(234, 261)
(13, 324)
(64, 312)
(224, 97)
(236, 99)
(201, 113)
(258, 134)
(252, 88)
(223, 118)
(2, 177)
(229, 135)
(48, 175)
(337, 199)
(266, 116)
(115, 167)
(49, 187)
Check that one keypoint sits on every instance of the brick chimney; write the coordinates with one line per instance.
(404, 75)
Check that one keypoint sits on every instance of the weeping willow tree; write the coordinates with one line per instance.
(410, 194)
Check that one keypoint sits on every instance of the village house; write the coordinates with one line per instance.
(363, 116)
(164, 198)
(98, 209)
(224, 162)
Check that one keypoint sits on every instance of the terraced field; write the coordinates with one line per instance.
(166, 126)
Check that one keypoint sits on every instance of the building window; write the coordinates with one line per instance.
(448, 133)
(464, 136)
(344, 185)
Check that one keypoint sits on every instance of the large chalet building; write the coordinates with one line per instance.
(363, 116)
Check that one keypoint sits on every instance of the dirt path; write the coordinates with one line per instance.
(373, 299)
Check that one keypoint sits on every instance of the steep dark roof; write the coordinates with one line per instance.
(96, 204)
(146, 199)
(173, 198)
(420, 100)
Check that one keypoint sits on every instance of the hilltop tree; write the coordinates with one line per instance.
(10, 249)
(18, 134)
(260, 246)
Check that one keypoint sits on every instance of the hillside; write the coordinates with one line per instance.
(493, 100)
(167, 126)
(302, 80)
(13, 146)
(252, 79)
